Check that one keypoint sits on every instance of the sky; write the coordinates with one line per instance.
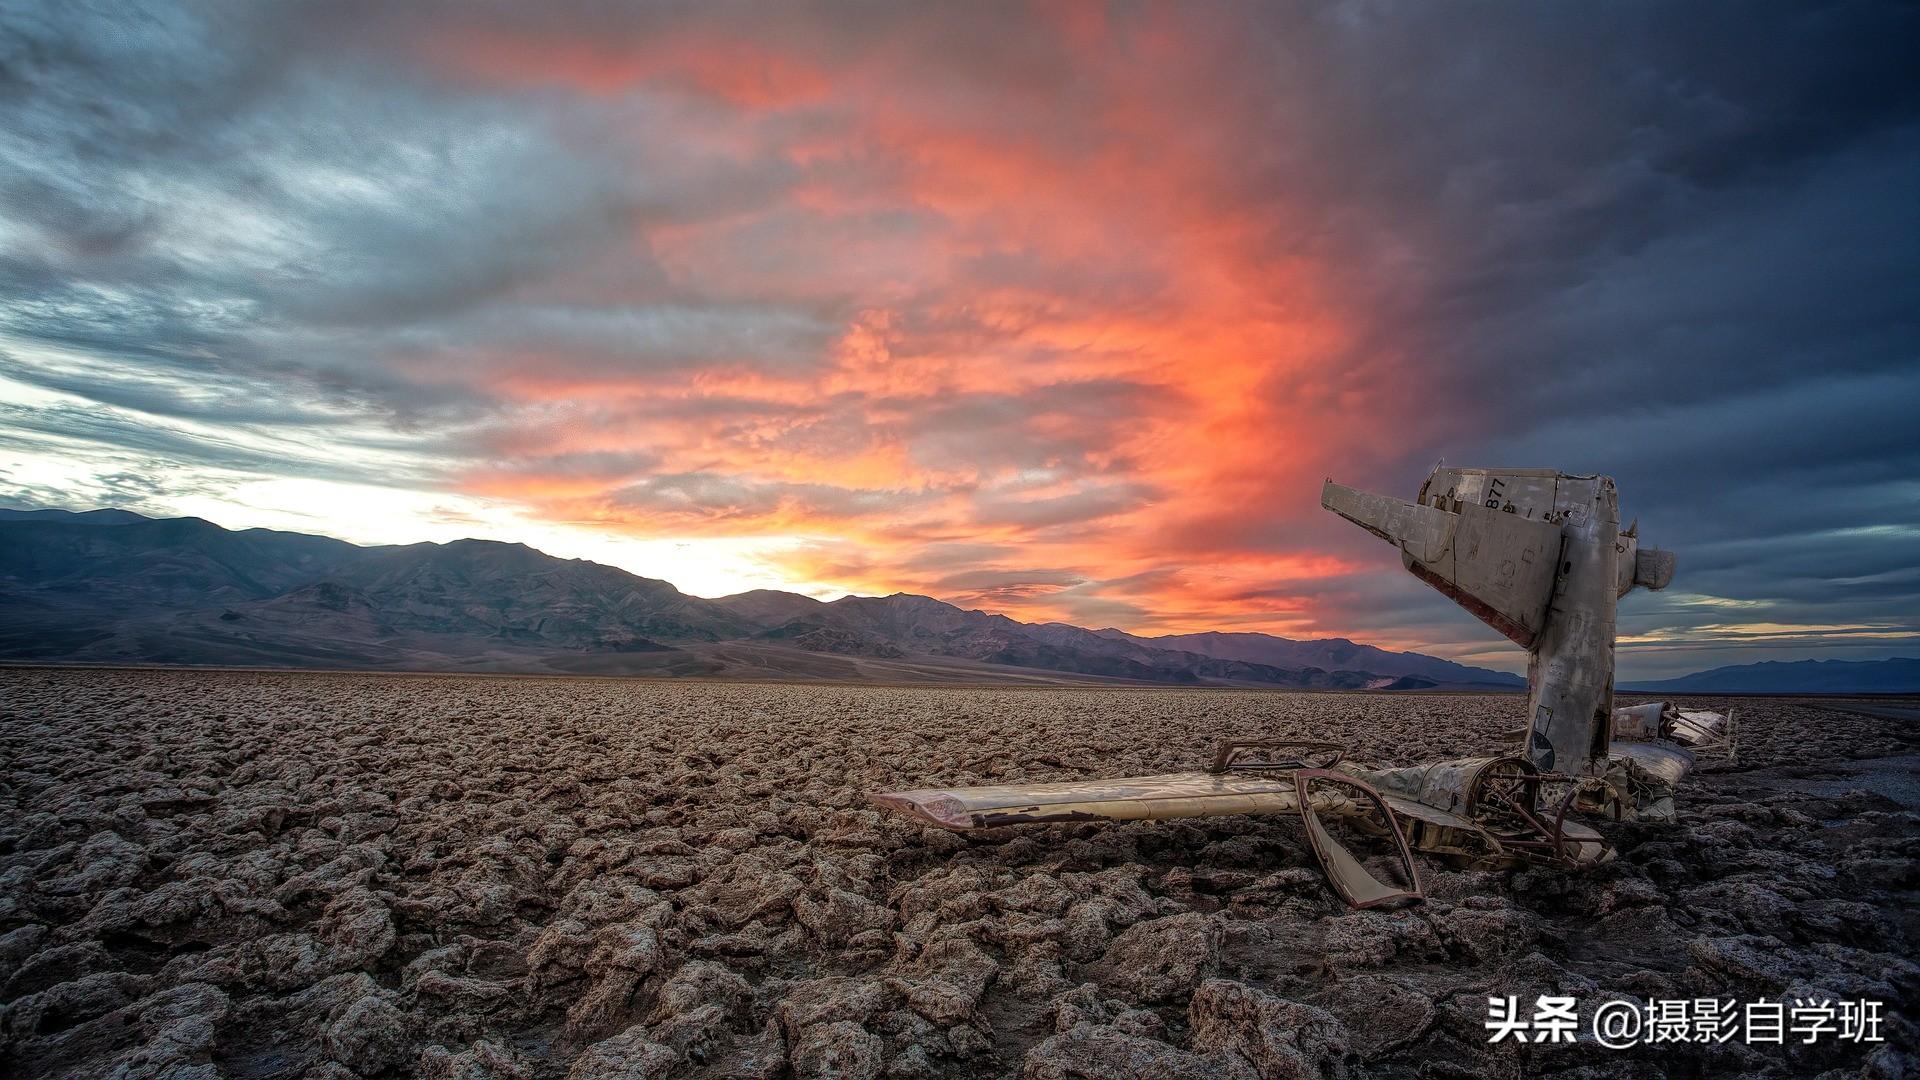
(1059, 310)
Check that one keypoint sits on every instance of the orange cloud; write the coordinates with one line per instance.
(1074, 360)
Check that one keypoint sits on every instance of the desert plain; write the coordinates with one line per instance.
(261, 874)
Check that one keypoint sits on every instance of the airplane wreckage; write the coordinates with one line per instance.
(1538, 555)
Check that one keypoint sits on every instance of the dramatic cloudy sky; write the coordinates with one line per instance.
(1062, 310)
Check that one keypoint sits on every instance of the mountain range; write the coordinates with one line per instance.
(111, 586)
(114, 587)
(1900, 675)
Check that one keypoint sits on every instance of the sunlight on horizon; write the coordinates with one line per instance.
(370, 515)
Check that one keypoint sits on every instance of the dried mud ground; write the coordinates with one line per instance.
(327, 875)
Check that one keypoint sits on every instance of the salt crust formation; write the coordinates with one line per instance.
(331, 875)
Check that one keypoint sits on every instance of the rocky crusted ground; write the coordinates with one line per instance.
(267, 874)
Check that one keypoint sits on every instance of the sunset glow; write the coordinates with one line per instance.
(1062, 310)
(1038, 366)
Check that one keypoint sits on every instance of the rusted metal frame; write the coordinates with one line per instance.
(1556, 834)
(1301, 781)
(1492, 780)
(1223, 755)
(1495, 789)
(1549, 841)
(1560, 825)
(1531, 848)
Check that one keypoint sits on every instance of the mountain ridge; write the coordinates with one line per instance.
(114, 586)
(1895, 675)
(1319, 652)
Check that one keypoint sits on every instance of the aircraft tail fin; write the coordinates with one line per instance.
(1498, 565)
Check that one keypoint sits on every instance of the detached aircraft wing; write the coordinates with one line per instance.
(1498, 564)
(1310, 792)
